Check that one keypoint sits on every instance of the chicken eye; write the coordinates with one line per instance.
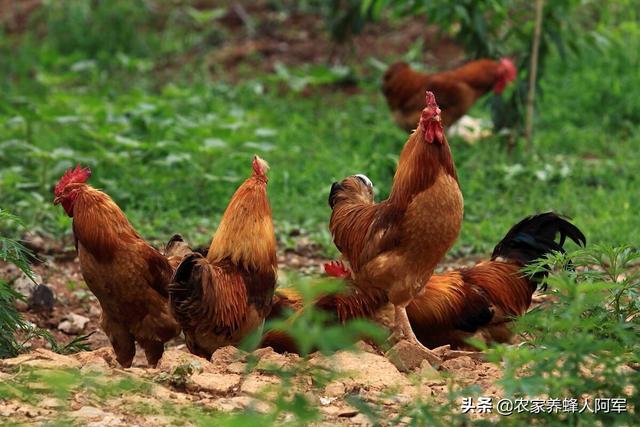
(364, 179)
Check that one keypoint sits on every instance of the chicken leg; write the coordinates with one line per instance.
(402, 331)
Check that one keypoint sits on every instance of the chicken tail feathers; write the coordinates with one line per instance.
(535, 237)
(185, 288)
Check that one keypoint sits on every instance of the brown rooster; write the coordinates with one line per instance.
(127, 275)
(395, 245)
(453, 306)
(456, 90)
(221, 298)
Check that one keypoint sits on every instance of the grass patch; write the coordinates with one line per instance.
(172, 157)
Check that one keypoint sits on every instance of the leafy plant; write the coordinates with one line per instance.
(584, 345)
(11, 321)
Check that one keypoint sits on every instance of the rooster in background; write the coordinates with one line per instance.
(127, 275)
(222, 297)
(455, 305)
(395, 245)
(456, 90)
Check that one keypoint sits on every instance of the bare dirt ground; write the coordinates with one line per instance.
(226, 384)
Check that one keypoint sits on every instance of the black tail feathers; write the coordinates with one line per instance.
(186, 287)
(535, 236)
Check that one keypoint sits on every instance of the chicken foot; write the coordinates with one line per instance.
(402, 331)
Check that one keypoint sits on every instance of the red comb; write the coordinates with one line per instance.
(509, 69)
(260, 166)
(336, 269)
(71, 175)
(430, 120)
(430, 111)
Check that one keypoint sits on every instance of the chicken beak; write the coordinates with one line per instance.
(57, 201)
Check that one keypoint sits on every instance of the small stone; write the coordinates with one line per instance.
(50, 403)
(42, 358)
(228, 354)
(442, 351)
(272, 361)
(475, 355)
(25, 287)
(427, 371)
(42, 299)
(214, 383)
(463, 362)
(89, 412)
(237, 368)
(99, 358)
(407, 356)
(241, 402)
(324, 401)
(360, 420)
(335, 389)
(95, 311)
(107, 421)
(365, 347)
(347, 413)
(362, 369)
(73, 324)
(173, 359)
(255, 383)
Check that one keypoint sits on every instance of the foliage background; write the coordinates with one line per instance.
(137, 90)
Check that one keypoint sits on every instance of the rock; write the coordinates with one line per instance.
(226, 355)
(237, 368)
(347, 413)
(463, 362)
(42, 358)
(101, 358)
(365, 347)
(335, 389)
(271, 361)
(214, 383)
(475, 355)
(363, 369)
(360, 420)
(255, 383)
(407, 356)
(95, 311)
(107, 421)
(324, 401)
(42, 299)
(89, 412)
(73, 324)
(172, 359)
(25, 287)
(427, 371)
(51, 403)
(442, 351)
(263, 352)
(240, 402)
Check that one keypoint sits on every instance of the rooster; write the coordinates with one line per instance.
(395, 245)
(222, 297)
(456, 90)
(455, 305)
(127, 275)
